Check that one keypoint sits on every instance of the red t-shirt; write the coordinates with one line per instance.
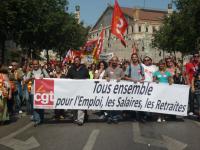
(190, 69)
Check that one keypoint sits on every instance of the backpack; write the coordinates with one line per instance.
(129, 71)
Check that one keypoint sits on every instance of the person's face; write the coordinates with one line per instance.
(35, 65)
(24, 68)
(161, 65)
(196, 57)
(14, 66)
(134, 58)
(101, 65)
(77, 62)
(58, 70)
(169, 62)
(147, 61)
(114, 62)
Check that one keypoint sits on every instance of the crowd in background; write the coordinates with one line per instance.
(16, 84)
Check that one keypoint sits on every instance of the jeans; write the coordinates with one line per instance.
(38, 114)
(191, 101)
(17, 101)
(114, 114)
(26, 98)
(197, 98)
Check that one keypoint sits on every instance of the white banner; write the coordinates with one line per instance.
(103, 95)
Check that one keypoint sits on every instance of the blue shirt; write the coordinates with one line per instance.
(162, 78)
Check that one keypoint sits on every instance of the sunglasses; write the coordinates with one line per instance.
(168, 61)
(146, 59)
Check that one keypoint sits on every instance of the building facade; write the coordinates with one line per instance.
(142, 23)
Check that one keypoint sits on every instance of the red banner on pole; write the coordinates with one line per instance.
(119, 23)
(99, 47)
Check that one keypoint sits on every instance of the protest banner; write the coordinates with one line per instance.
(103, 95)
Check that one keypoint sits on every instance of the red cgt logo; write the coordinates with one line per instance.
(44, 93)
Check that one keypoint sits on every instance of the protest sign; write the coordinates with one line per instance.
(103, 95)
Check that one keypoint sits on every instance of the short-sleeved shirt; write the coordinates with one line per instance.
(148, 72)
(162, 78)
(190, 69)
(37, 74)
(114, 73)
(135, 72)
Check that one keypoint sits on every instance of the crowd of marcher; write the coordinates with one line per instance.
(16, 84)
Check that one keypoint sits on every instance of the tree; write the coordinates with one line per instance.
(180, 31)
(36, 24)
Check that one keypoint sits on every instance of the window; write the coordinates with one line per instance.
(139, 28)
(154, 29)
(147, 29)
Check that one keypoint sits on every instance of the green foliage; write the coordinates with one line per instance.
(40, 24)
(181, 30)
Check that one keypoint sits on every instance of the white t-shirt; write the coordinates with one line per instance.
(101, 75)
(148, 72)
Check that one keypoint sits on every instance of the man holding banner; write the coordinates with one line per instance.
(78, 71)
(36, 73)
(135, 73)
(113, 72)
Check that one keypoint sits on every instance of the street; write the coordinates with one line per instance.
(96, 135)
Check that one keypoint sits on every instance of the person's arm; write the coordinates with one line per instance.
(121, 76)
(98, 73)
(46, 75)
(106, 76)
(126, 74)
(170, 80)
(155, 77)
(9, 87)
(29, 77)
(142, 74)
(192, 86)
(187, 78)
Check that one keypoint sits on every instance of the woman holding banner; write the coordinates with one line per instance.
(101, 67)
(162, 76)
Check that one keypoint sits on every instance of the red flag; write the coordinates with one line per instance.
(89, 46)
(71, 54)
(99, 46)
(119, 23)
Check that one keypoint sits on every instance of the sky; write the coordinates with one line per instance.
(91, 10)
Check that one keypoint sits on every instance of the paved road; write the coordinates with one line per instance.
(127, 135)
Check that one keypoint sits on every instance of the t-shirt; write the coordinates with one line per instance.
(162, 78)
(37, 74)
(190, 69)
(148, 72)
(114, 73)
(136, 71)
(171, 70)
(101, 75)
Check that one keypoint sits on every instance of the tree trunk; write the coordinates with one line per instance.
(47, 56)
(2, 52)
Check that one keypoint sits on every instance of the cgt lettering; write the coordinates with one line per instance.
(44, 98)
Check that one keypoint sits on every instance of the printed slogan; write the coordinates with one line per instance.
(103, 95)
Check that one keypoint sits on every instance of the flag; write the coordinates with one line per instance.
(89, 46)
(67, 56)
(71, 54)
(99, 46)
(119, 23)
